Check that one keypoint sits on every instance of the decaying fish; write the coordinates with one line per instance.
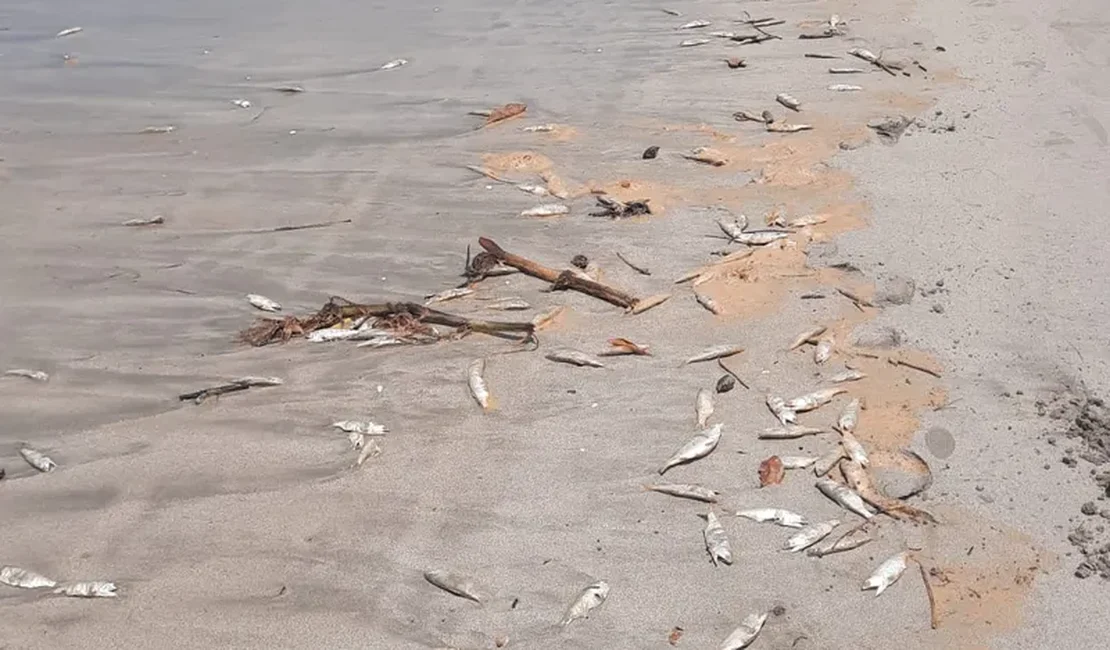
(703, 407)
(860, 481)
(621, 347)
(826, 463)
(502, 113)
(745, 116)
(846, 70)
(845, 497)
(589, 599)
(788, 101)
(806, 337)
(509, 304)
(803, 539)
(357, 440)
(778, 407)
(797, 462)
(94, 589)
(37, 459)
(395, 63)
(847, 376)
(788, 431)
(847, 542)
(288, 90)
(645, 304)
(69, 31)
(546, 210)
(167, 128)
(686, 491)
(816, 399)
(263, 303)
(715, 352)
(761, 237)
(823, 350)
(359, 426)
(449, 294)
(887, 573)
(536, 190)
(539, 128)
(693, 42)
(330, 334)
(708, 303)
(779, 516)
(259, 382)
(807, 220)
(849, 418)
(145, 221)
(453, 584)
(844, 88)
(545, 318)
(716, 541)
(573, 357)
(742, 636)
(854, 448)
(24, 579)
(782, 127)
(477, 383)
(733, 229)
(36, 375)
(371, 449)
(866, 55)
(707, 155)
(695, 24)
(700, 446)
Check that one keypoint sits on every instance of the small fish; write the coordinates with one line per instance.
(846, 70)
(371, 450)
(539, 128)
(854, 449)
(35, 375)
(477, 382)
(847, 376)
(242, 103)
(151, 130)
(860, 481)
(847, 542)
(671, 12)
(700, 446)
(813, 400)
(708, 303)
(24, 579)
(621, 347)
(357, 440)
(546, 210)
(788, 431)
(358, 426)
(887, 574)
(728, 35)
(453, 584)
(695, 24)
(715, 352)
(788, 101)
(687, 491)
(509, 304)
(845, 497)
(589, 599)
(537, 190)
(761, 237)
(742, 636)
(823, 350)
(573, 357)
(735, 228)
(145, 221)
(778, 407)
(807, 220)
(844, 88)
(95, 589)
(260, 382)
(781, 127)
(37, 459)
(803, 539)
(779, 516)
(797, 462)
(707, 155)
(849, 417)
(289, 90)
(69, 31)
(334, 334)
(263, 303)
(826, 463)
(395, 63)
(693, 42)
(645, 304)
(806, 337)
(703, 407)
(745, 116)
(545, 318)
(449, 294)
(716, 541)
(866, 55)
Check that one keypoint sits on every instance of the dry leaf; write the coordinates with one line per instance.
(505, 112)
(771, 472)
(675, 635)
(624, 346)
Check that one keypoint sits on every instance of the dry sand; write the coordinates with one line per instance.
(240, 523)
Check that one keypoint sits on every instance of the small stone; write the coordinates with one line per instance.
(1069, 461)
(1084, 570)
(778, 610)
(1089, 508)
(979, 488)
(937, 308)
(1104, 513)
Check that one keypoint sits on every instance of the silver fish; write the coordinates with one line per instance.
(849, 418)
(94, 589)
(449, 294)
(242, 103)
(69, 31)
(823, 350)
(806, 337)
(546, 210)
(537, 190)
(887, 573)
(695, 24)
(847, 376)
(703, 407)
(846, 70)
(168, 128)
(866, 55)
(573, 357)
(761, 237)
(854, 448)
(830, 460)
(395, 63)
(716, 541)
(544, 318)
(24, 579)
(477, 383)
(844, 88)
(844, 543)
(788, 431)
(813, 400)
(263, 303)
(707, 155)
(357, 426)
(710, 305)
(509, 304)
(36, 375)
(723, 34)
(803, 539)
(335, 334)
(807, 220)
(589, 599)
(145, 221)
(37, 459)
(735, 228)
(788, 101)
(260, 382)
(779, 516)
(778, 407)
(371, 450)
(539, 128)
(742, 636)
(797, 462)
(453, 584)
(845, 497)
(700, 446)
(693, 42)
(715, 352)
(783, 127)
(687, 491)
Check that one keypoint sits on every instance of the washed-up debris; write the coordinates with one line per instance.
(887, 573)
(789, 432)
(725, 383)
(722, 34)
(708, 303)
(27, 373)
(778, 516)
(848, 375)
(809, 336)
(509, 304)
(242, 103)
(860, 481)
(239, 384)
(619, 347)
(797, 462)
(573, 357)
(156, 220)
(848, 419)
(263, 303)
(847, 542)
(671, 12)
(69, 31)
(783, 127)
(153, 130)
(834, 27)
(24, 578)
(858, 300)
(617, 210)
(816, 399)
(696, 24)
(93, 589)
(822, 352)
(715, 352)
(360, 426)
(449, 294)
(788, 101)
(693, 42)
(539, 128)
(814, 55)
(735, 63)
(743, 636)
(845, 497)
(771, 472)
(395, 63)
(505, 112)
(803, 539)
(546, 210)
(37, 459)
(697, 447)
(869, 56)
(370, 449)
(650, 153)
(707, 155)
(675, 635)
(844, 88)
(589, 599)
(477, 383)
(716, 541)
(778, 408)
(288, 90)
(846, 70)
(745, 116)
(703, 407)
(686, 491)
(453, 584)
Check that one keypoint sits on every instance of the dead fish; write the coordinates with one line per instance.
(810, 536)
(621, 347)
(509, 304)
(536, 190)
(371, 450)
(546, 210)
(779, 516)
(242, 103)
(887, 574)
(695, 24)
(359, 426)
(846, 542)
(288, 90)
(807, 220)
(830, 460)
(453, 584)
(844, 88)
(733, 62)
(761, 237)
(539, 128)
(151, 130)
(788, 431)
(357, 440)
(24, 579)
(573, 357)
(778, 407)
(671, 12)
(449, 294)
(589, 599)
(703, 407)
(788, 101)
(716, 541)
(782, 127)
(708, 303)
(845, 497)
(686, 491)
(813, 400)
(69, 31)
(745, 116)
(645, 304)
(545, 318)
(715, 352)
(866, 55)
(395, 63)
(259, 382)
(797, 462)
(846, 70)
(693, 42)
(735, 228)
(337, 334)
(806, 337)
(860, 481)
(848, 419)
(700, 446)
(94, 589)
(707, 155)
(477, 382)
(263, 303)
(742, 636)
(823, 350)
(847, 376)
(36, 375)
(724, 35)
(145, 221)
(37, 459)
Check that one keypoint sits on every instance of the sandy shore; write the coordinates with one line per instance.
(241, 523)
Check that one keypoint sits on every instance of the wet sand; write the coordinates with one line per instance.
(240, 522)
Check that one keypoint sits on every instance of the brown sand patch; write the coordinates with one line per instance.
(517, 161)
(897, 102)
(754, 285)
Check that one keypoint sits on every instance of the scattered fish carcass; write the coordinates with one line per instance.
(844, 88)
(693, 42)
(24, 578)
(93, 589)
(703, 407)
(686, 491)
(37, 459)
(797, 462)
(263, 303)
(708, 303)
(760, 237)
(822, 352)
(887, 573)
(453, 584)
(715, 352)
(449, 294)
(809, 336)
(546, 210)
(371, 449)
(697, 447)
(716, 541)
(622, 347)
(696, 24)
(860, 481)
(788, 101)
(847, 376)
(145, 221)
(849, 541)
(546, 317)
(785, 415)
(360, 426)
(826, 463)
(35, 375)
(573, 357)
(743, 636)
(814, 400)
(475, 379)
(779, 516)
(849, 418)
(69, 31)
(782, 127)
(745, 116)
(853, 448)
(589, 599)
(536, 190)
(288, 90)
(845, 497)
(847, 71)
(807, 537)
(395, 63)
(735, 228)
(539, 128)
(509, 304)
(242, 103)
(707, 155)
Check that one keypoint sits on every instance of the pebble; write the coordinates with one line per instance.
(1089, 508)
(938, 308)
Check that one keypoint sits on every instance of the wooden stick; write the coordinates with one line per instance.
(927, 371)
(933, 619)
(307, 226)
(204, 393)
(721, 363)
(639, 269)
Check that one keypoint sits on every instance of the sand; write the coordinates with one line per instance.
(241, 523)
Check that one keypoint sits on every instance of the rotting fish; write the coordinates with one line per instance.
(36, 375)
(779, 516)
(453, 584)
(645, 304)
(785, 415)
(477, 382)
(330, 334)
(145, 221)
(24, 579)
(810, 536)
(788, 101)
(505, 112)
(826, 463)
(371, 450)
(395, 63)
(761, 237)
(735, 228)
(708, 303)
(797, 462)
(69, 31)
(449, 294)
(546, 210)
(887, 573)
(846, 542)
(289, 90)
(693, 42)
(242, 103)
(849, 418)
(260, 382)
(860, 481)
(703, 407)
(742, 636)
(816, 399)
(700, 446)
(539, 128)
(573, 357)
(589, 599)
(357, 440)
(745, 116)
(782, 127)
(545, 318)
(844, 496)
(715, 352)
(686, 491)
(358, 426)
(866, 55)
(94, 589)
(509, 304)
(621, 347)
(846, 376)
(823, 350)
(716, 541)
(37, 459)
(707, 155)
(807, 220)
(537, 190)
(806, 337)
(263, 303)
(854, 448)
(695, 24)
(151, 130)
(846, 70)
(720, 34)
(844, 88)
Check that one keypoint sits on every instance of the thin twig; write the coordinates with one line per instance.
(721, 363)
(927, 371)
(639, 269)
(933, 621)
(307, 226)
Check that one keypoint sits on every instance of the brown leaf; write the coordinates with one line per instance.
(771, 472)
(624, 346)
(505, 112)
(675, 635)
